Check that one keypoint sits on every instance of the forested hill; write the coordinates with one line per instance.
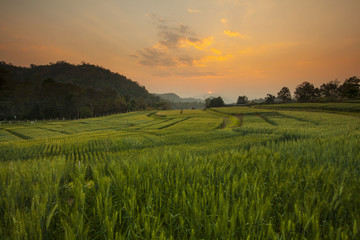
(85, 75)
(64, 90)
(175, 98)
(177, 102)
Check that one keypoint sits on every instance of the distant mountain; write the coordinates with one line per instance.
(64, 90)
(215, 95)
(257, 100)
(177, 102)
(172, 97)
(84, 75)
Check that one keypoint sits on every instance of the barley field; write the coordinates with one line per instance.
(353, 108)
(223, 173)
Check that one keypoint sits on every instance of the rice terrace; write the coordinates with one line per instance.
(177, 120)
(223, 173)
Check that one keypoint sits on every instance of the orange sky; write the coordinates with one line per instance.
(229, 47)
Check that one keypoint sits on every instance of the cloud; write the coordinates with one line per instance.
(216, 51)
(224, 20)
(154, 57)
(200, 44)
(210, 58)
(193, 10)
(196, 74)
(157, 57)
(181, 37)
(156, 18)
(171, 37)
(177, 46)
(187, 74)
(235, 34)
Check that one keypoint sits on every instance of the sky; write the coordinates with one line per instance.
(228, 47)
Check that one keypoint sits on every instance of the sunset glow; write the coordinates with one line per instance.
(239, 47)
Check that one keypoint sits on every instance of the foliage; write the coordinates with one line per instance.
(185, 105)
(284, 95)
(242, 100)
(330, 89)
(350, 88)
(305, 92)
(176, 102)
(63, 90)
(270, 99)
(214, 102)
(3, 73)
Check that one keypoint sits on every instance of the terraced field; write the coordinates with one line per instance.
(353, 108)
(224, 173)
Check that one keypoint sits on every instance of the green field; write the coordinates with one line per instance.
(329, 107)
(224, 173)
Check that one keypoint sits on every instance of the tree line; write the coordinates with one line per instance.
(332, 91)
(30, 98)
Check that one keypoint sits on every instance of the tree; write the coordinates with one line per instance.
(207, 102)
(242, 100)
(284, 94)
(214, 102)
(270, 99)
(3, 73)
(305, 92)
(330, 89)
(140, 104)
(350, 88)
(120, 104)
(217, 102)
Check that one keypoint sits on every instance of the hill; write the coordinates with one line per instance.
(85, 75)
(177, 102)
(65, 90)
(172, 97)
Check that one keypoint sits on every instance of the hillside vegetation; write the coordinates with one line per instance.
(62, 90)
(177, 102)
(224, 173)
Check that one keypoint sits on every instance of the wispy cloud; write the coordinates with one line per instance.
(199, 44)
(210, 58)
(154, 57)
(179, 51)
(188, 73)
(235, 34)
(176, 46)
(196, 74)
(157, 57)
(216, 51)
(193, 10)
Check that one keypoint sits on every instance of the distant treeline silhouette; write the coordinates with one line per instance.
(332, 91)
(62, 90)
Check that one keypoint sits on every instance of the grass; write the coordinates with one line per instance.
(264, 174)
(329, 107)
